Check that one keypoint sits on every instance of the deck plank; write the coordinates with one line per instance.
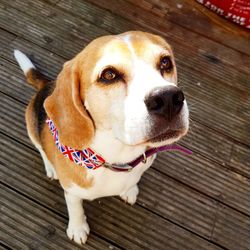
(205, 49)
(222, 184)
(35, 227)
(240, 158)
(45, 32)
(3, 246)
(225, 227)
(6, 39)
(197, 18)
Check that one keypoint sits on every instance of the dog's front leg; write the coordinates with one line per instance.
(78, 228)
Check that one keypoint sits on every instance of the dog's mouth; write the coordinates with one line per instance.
(167, 135)
(163, 131)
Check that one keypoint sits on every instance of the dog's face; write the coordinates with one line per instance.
(132, 89)
(128, 84)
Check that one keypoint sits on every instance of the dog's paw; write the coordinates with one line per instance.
(51, 173)
(78, 233)
(131, 195)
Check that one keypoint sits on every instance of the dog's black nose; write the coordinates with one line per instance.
(166, 101)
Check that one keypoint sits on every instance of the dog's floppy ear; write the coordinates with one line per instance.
(66, 109)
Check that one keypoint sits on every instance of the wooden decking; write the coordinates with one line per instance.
(186, 202)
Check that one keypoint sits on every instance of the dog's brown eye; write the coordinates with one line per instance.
(109, 75)
(166, 64)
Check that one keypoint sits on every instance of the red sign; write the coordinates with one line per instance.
(238, 11)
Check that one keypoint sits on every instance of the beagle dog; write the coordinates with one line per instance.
(99, 125)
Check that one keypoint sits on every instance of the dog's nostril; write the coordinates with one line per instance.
(178, 98)
(155, 103)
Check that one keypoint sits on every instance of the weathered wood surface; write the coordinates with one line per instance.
(197, 202)
(198, 19)
(201, 46)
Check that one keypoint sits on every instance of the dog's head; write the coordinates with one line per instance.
(124, 83)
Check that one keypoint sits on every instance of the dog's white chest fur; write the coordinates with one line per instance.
(105, 181)
(108, 183)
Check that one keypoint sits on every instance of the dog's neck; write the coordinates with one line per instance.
(118, 156)
(113, 150)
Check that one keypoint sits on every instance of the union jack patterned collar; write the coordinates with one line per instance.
(89, 159)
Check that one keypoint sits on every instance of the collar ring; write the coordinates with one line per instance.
(144, 158)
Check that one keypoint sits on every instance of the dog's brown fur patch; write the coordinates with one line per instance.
(67, 171)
